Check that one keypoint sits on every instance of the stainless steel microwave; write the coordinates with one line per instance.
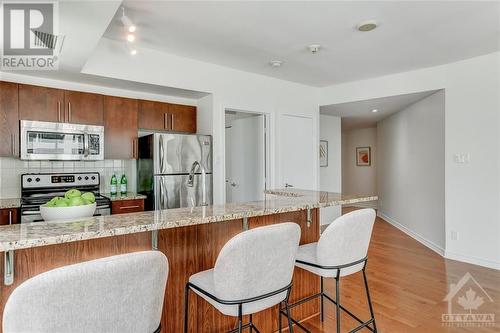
(61, 141)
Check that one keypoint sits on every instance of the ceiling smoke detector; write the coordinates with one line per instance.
(276, 63)
(314, 48)
(366, 26)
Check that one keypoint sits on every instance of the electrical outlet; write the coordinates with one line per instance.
(454, 235)
(461, 158)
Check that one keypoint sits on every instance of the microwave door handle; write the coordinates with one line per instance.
(85, 144)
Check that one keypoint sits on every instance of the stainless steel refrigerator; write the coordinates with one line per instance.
(175, 170)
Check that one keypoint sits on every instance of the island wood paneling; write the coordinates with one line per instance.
(189, 250)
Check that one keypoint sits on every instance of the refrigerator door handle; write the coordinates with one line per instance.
(161, 153)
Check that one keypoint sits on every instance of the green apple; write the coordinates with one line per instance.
(88, 196)
(86, 202)
(76, 201)
(73, 193)
(61, 203)
(53, 201)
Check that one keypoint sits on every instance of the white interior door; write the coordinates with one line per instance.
(245, 159)
(297, 152)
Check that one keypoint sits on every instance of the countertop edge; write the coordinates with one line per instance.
(60, 239)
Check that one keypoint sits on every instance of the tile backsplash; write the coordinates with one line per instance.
(11, 170)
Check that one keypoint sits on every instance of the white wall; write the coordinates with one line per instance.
(330, 176)
(359, 179)
(230, 89)
(245, 159)
(472, 126)
(410, 175)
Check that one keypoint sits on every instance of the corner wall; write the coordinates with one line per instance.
(411, 170)
(330, 176)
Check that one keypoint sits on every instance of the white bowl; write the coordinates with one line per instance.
(67, 213)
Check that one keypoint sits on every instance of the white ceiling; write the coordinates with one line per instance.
(247, 35)
(359, 114)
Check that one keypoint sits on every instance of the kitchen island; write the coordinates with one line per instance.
(191, 238)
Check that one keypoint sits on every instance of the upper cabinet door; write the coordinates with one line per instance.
(83, 108)
(153, 115)
(182, 118)
(120, 128)
(41, 103)
(9, 119)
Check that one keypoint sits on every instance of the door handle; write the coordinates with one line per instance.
(172, 121)
(69, 112)
(10, 217)
(86, 145)
(165, 121)
(288, 185)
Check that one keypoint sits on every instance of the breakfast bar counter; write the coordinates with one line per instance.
(191, 238)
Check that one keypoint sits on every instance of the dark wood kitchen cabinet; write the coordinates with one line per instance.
(8, 216)
(182, 118)
(127, 206)
(57, 105)
(153, 115)
(9, 119)
(41, 103)
(120, 128)
(83, 108)
(168, 117)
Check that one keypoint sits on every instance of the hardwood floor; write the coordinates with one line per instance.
(408, 283)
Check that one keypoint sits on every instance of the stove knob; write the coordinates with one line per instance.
(79, 178)
(93, 177)
(37, 180)
(29, 180)
(86, 177)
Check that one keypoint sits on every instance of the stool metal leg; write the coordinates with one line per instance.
(251, 323)
(279, 316)
(322, 304)
(337, 299)
(369, 301)
(240, 318)
(186, 308)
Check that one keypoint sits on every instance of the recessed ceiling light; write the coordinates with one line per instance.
(374, 110)
(130, 37)
(367, 25)
(276, 63)
(131, 48)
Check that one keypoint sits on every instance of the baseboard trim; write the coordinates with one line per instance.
(434, 247)
(472, 260)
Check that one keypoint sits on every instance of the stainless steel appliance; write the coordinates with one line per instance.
(61, 141)
(175, 170)
(39, 188)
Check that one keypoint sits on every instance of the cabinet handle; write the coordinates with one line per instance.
(59, 111)
(69, 112)
(165, 121)
(10, 217)
(172, 121)
(130, 207)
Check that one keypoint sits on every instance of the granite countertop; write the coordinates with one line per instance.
(27, 235)
(127, 196)
(10, 203)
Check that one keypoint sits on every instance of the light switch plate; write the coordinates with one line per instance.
(461, 158)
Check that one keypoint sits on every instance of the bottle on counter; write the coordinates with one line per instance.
(114, 183)
(123, 185)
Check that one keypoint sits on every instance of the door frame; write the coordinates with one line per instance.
(268, 146)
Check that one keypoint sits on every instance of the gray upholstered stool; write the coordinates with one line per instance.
(253, 272)
(122, 294)
(341, 250)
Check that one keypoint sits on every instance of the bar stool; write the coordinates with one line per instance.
(253, 272)
(117, 294)
(341, 250)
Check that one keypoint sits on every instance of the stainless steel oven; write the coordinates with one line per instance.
(61, 141)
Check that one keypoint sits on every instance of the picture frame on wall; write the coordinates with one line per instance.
(363, 156)
(323, 153)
